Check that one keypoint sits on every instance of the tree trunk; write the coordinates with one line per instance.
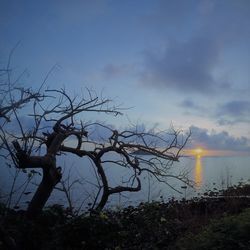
(51, 176)
(103, 202)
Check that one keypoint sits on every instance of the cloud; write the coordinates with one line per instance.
(201, 137)
(235, 108)
(233, 112)
(114, 70)
(27, 125)
(197, 41)
(185, 66)
(228, 113)
(225, 19)
(189, 104)
(218, 141)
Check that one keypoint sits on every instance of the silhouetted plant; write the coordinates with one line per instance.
(55, 118)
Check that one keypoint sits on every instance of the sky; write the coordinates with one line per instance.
(180, 62)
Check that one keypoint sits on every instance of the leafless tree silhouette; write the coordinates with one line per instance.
(57, 127)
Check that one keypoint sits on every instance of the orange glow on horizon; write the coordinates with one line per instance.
(197, 152)
(202, 152)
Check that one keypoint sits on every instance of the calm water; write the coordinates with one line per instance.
(206, 172)
(219, 172)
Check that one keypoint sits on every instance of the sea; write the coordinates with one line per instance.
(79, 178)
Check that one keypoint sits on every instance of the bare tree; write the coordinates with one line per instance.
(56, 127)
(12, 98)
(128, 145)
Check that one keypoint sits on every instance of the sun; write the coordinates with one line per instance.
(198, 152)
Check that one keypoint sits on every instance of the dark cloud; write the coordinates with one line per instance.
(28, 124)
(189, 104)
(209, 139)
(220, 141)
(227, 20)
(202, 35)
(233, 112)
(183, 66)
(229, 113)
(114, 70)
(235, 108)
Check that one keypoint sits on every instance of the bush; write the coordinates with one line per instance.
(231, 232)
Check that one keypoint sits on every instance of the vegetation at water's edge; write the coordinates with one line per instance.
(230, 232)
(218, 223)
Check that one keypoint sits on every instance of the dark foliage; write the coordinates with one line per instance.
(229, 233)
(211, 223)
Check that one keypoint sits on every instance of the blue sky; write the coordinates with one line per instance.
(184, 62)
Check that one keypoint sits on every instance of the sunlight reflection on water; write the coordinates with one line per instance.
(198, 173)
